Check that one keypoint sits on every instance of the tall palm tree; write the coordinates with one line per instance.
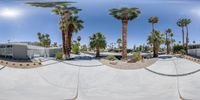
(66, 20)
(64, 11)
(74, 25)
(172, 40)
(155, 39)
(119, 41)
(187, 22)
(62, 25)
(97, 41)
(168, 32)
(124, 14)
(153, 20)
(181, 23)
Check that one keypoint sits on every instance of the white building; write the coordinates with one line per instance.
(194, 50)
(26, 51)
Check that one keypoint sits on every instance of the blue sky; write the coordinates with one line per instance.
(30, 20)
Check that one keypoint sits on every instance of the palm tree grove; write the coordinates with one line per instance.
(71, 23)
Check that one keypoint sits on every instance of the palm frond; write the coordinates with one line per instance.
(48, 4)
(125, 13)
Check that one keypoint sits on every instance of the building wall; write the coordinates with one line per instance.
(20, 52)
(6, 50)
(194, 52)
(51, 52)
(25, 51)
(36, 51)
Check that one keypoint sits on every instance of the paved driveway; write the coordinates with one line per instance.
(94, 81)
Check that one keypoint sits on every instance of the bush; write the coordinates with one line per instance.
(178, 48)
(111, 58)
(182, 51)
(75, 48)
(59, 56)
(136, 57)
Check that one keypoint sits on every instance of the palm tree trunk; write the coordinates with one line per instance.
(183, 37)
(70, 40)
(153, 27)
(168, 49)
(63, 42)
(67, 44)
(172, 44)
(124, 39)
(187, 39)
(155, 50)
(70, 32)
(167, 44)
(97, 51)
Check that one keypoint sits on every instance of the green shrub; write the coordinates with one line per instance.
(59, 56)
(182, 51)
(111, 58)
(178, 48)
(136, 57)
(75, 48)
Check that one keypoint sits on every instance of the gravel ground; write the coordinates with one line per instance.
(129, 66)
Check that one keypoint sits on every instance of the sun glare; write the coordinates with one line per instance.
(196, 11)
(9, 12)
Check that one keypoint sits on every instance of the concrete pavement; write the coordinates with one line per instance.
(61, 81)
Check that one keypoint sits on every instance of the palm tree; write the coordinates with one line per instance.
(124, 15)
(64, 11)
(181, 23)
(168, 32)
(66, 26)
(155, 39)
(55, 44)
(187, 22)
(47, 40)
(153, 20)
(172, 40)
(79, 39)
(74, 25)
(97, 41)
(62, 25)
(194, 42)
(171, 37)
(40, 38)
(44, 39)
(119, 41)
(179, 42)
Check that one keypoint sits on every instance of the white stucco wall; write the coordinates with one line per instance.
(194, 52)
(37, 51)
